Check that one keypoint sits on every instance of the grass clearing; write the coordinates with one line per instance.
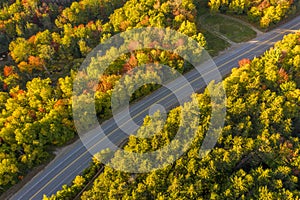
(214, 43)
(232, 29)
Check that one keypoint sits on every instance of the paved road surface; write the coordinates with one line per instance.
(64, 168)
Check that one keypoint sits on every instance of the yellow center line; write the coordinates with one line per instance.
(146, 109)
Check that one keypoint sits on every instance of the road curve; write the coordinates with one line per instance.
(65, 167)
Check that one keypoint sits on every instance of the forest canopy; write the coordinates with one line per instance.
(46, 42)
(256, 157)
(263, 12)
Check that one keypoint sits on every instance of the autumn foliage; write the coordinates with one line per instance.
(244, 62)
(8, 70)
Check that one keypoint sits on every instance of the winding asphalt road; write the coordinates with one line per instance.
(76, 158)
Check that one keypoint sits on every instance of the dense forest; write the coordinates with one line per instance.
(42, 45)
(263, 12)
(46, 43)
(256, 157)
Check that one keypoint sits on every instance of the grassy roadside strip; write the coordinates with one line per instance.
(214, 44)
(231, 29)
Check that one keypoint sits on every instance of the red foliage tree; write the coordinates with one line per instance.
(283, 76)
(244, 62)
(8, 70)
